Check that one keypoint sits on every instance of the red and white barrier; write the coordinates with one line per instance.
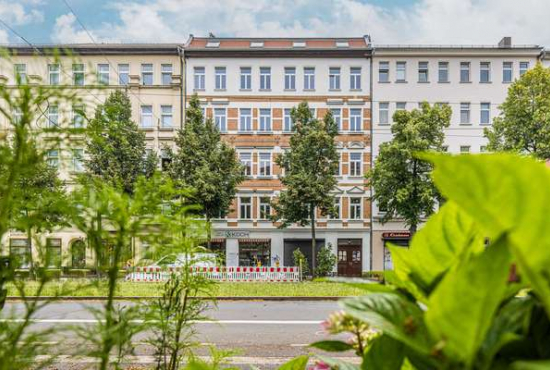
(235, 274)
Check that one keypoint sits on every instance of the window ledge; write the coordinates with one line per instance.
(245, 132)
(220, 90)
(401, 82)
(290, 90)
(465, 124)
(265, 90)
(355, 89)
(245, 89)
(166, 129)
(147, 128)
(443, 82)
(485, 82)
(265, 132)
(199, 90)
(423, 82)
(465, 82)
(384, 82)
(335, 90)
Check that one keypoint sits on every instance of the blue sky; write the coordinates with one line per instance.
(387, 21)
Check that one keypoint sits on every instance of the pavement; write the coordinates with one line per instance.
(265, 333)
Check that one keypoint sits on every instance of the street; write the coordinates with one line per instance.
(265, 333)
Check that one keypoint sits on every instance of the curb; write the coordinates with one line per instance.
(136, 298)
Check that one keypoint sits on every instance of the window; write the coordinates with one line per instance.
(221, 78)
(355, 208)
(53, 116)
(484, 72)
(401, 105)
(166, 116)
(334, 78)
(384, 113)
(53, 253)
(336, 206)
(288, 124)
(20, 251)
(464, 71)
(165, 161)
(423, 72)
(401, 71)
(265, 164)
(78, 254)
(443, 72)
(78, 74)
(383, 71)
(355, 120)
(245, 120)
(245, 208)
(78, 116)
(464, 149)
(265, 208)
(246, 161)
(290, 78)
(53, 72)
(77, 164)
(355, 164)
(464, 113)
(166, 74)
(246, 78)
(483, 149)
(337, 116)
(309, 78)
(21, 72)
(103, 74)
(339, 169)
(146, 116)
(146, 74)
(265, 120)
(220, 119)
(523, 67)
(123, 74)
(53, 158)
(485, 113)
(265, 78)
(199, 78)
(507, 71)
(355, 78)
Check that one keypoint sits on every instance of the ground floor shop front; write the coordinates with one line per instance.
(381, 256)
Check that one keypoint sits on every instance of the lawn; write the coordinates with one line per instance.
(89, 288)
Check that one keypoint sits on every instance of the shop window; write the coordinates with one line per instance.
(254, 252)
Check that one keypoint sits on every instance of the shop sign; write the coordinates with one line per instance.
(232, 234)
(396, 235)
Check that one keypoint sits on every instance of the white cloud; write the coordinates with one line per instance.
(427, 21)
(66, 31)
(4, 37)
(15, 14)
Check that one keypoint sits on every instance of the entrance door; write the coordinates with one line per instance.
(349, 260)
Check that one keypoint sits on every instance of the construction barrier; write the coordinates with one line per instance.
(234, 274)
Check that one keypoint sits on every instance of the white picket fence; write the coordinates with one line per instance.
(235, 274)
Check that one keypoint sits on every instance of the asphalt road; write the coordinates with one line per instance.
(265, 333)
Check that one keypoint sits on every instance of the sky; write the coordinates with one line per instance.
(387, 21)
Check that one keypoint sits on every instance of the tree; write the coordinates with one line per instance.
(326, 260)
(206, 164)
(401, 181)
(524, 123)
(310, 166)
(116, 146)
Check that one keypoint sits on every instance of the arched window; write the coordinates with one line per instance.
(78, 254)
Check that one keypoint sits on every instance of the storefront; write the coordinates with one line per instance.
(397, 238)
(255, 252)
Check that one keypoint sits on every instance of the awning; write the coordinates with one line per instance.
(255, 241)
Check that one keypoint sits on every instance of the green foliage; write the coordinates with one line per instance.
(326, 261)
(298, 363)
(524, 124)
(116, 146)
(300, 260)
(401, 181)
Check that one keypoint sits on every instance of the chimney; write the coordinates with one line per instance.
(506, 42)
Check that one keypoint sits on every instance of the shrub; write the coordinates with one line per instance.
(300, 260)
(326, 260)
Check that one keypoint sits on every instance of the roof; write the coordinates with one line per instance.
(410, 50)
(96, 49)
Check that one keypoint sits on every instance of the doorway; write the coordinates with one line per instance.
(350, 257)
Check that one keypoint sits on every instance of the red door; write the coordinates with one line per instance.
(350, 260)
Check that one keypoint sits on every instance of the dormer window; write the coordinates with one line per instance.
(213, 44)
(299, 44)
(257, 44)
(342, 44)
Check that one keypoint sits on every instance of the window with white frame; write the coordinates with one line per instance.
(20, 252)
(485, 113)
(246, 78)
(147, 74)
(355, 164)
(384, 113)
(20, 71)
(166, 120)
(484, 72)
(166, 74)
(265, 120)
(507, 71)
(423, 72)
(246, 161)
(288, 124)
(523, 67)
(77, 160)
(334, 78)
(355, 78)
(355, 208)
(221, 78)
(220, 119)
(400, 105)
(53, 158)
(309, 78)
(199, 77)
(336, 206)
(265, 164)
(443, 72)
(77, 116)
(337, 116)
(123, 74)
(53, 74)
(355, 119)
(464, 113)
(383, 71)
(103, 74)
(245, 208)
(290, 78)
(265, 78)
(464, 71)
(146, 119)
(78, 74)
(265, 208)
(245, 119)
(401, 71)
(53, 116)
(464, 149)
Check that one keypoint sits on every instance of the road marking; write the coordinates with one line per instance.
(223, 322)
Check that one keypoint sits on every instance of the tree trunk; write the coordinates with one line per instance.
(413, 229)
(313, 240)
(208, 232)
(32, 272)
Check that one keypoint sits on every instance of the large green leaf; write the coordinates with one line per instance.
(531, 365)
(504, 193)
(332, 346)
(298, 363)
(393, 315)
(447, 237)
(462, 307)
(336, 363)
(384, 353)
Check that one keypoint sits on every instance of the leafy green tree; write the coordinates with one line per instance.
(401, 181)
(206, 164)
(524, 123)
(310, 166)
(116, 146)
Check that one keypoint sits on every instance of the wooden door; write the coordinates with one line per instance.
(350, 260)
